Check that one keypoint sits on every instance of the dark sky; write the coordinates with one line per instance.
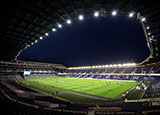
(96, 41)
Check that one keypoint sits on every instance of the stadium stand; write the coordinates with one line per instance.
(31, 103)
(23, 23)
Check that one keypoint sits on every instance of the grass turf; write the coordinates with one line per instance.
(66, 87)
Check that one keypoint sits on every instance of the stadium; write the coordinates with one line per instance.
(33, 88)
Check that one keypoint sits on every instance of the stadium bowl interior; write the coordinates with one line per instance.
(33, 88)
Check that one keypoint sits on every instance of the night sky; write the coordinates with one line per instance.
(97, 41)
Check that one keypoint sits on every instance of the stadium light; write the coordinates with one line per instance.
(130, 64)
(147, 27)
(59, 26)
(131, 14)
(46, 34)
(40, 38)
(114, 13)
(93, 67)
(103, 66)
(36, 41)
(127, 65)
(53, 29)
(106, 66)
(123, 65)
(68, 21)
(96, 66)
(156, 54)
(96, 14)
(114, 65)
(143, 19)
(99, 66)
(119, 65)
(111, 65)
(133, 64)
(81, 17)
(89, 67)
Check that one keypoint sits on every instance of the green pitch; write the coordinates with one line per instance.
(80, 90)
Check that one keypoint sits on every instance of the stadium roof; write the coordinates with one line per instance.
(24, 23)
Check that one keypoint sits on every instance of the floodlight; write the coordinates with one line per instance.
(103, 66)
(40, 38)
(96, 14)
(134, 64)
(106, 65)
(147, 27)
(59, 26)
(81, 17)
(123, 64)
(93, 66)
(143, 19)
(53, 29)
(36, 41)
(99, 66)
(131, 14)
(46, 34)
(68, 21)
(128, 64)
(110, 65)
(114, 13)
(114, 65)
(119, 65)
